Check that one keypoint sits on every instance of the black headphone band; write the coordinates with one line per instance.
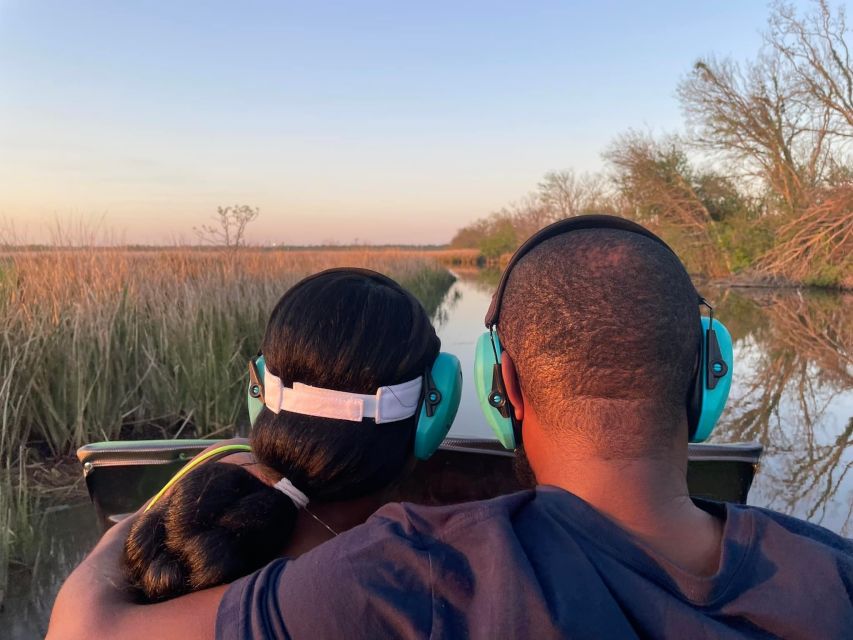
(596, 221)
(694, 396)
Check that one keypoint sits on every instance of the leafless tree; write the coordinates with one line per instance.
(229, 226)
(565, 193)
(528, 215)
(816, 50)
(787, 116)
(560, 194)
(758, 116)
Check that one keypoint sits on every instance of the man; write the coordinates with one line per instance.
(600, 328)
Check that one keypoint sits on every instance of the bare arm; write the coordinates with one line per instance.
(95, 602)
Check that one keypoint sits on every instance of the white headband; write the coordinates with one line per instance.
(390, 404)
(286, 487)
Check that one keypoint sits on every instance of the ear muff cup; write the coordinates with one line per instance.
(713, 381)
(254, 392)
(446, 374)
(484, 372)
(439, 402)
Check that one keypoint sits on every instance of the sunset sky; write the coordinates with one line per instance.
(381, 122)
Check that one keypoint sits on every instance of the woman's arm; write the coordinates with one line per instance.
(95, 602)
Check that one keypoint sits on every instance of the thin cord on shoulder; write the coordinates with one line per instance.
(317, 518)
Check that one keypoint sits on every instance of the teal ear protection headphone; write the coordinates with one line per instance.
(440, 395)
(709, 389)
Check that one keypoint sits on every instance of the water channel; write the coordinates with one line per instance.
(792, 392)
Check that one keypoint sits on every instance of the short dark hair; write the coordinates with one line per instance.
(603, 326)
(344, 330)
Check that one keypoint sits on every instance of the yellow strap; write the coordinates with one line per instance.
(192, 464)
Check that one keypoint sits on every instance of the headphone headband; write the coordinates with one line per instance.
(711, 379)
(390, 403)
(597, 221)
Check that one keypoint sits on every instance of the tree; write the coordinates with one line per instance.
(564, 194)
(229, 226)
(756, 116)
(560, 194)
(469, 237)
(816, 50)
(527, 215)
(501, 239)
(662, 190)
(787, 116)
(817, 246)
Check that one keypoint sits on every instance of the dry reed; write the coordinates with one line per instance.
(94, 340)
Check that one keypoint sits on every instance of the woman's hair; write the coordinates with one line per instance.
(218, 523)
(348, 330)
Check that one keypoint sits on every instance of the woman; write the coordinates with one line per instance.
(315, 468)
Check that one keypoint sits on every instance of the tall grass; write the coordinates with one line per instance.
(94, 341)
(19, 521)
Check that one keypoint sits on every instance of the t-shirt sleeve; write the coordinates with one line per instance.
(372, 581)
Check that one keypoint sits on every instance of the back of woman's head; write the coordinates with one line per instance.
(347, 330)
(218, 523)
(344, 330)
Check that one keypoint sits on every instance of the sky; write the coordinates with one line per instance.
(368, 122)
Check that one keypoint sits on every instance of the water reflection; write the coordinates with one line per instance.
(68, 535)
(793, 392)
(445, 309)
(792, 389)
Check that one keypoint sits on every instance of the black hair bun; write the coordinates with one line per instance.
(217, 524)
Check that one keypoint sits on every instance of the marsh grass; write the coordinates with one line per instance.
(94, 342)
(100, 344)
(20, 517)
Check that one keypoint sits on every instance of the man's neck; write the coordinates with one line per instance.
(647, 497)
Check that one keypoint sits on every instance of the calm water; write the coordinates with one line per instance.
(792, 392)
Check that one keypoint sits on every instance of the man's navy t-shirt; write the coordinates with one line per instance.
(544, 564)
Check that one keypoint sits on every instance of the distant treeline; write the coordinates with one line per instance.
(761, 182)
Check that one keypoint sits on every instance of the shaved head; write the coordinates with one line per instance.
(603, 328)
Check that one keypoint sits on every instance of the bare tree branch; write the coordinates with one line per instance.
(815, 47)
(760, 116)
(229, 227)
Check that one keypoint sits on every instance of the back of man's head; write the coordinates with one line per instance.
(603, 328)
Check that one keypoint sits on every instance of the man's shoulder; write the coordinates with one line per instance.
(403, 534)
(422, 523)
(394, 573)
(773, 524)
